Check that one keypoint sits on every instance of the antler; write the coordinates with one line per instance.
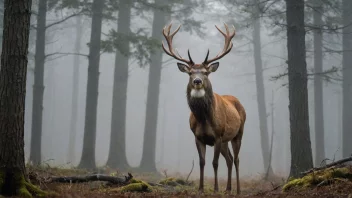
(171, 52)
(227, 47)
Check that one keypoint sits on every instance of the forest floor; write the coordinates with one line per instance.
(158, 185)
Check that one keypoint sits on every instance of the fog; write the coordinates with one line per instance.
(175, 142)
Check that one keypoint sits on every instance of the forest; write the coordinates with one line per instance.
(133, 98)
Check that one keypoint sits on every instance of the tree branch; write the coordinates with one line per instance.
(95, 177)
(339, 162)
(64, 19)
(65, 54)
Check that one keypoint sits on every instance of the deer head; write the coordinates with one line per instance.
(198, 73)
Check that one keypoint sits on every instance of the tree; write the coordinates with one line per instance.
(1, 20)
(301, 151)
(75, 79)
(347, 80)
(117, 153)
(159, 19)
(318, 82)
(38, 87)
(14, 61)
(262, 113)
(148, 156)
(88, 153)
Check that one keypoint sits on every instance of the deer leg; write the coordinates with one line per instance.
(217, 149)
(236, 145)
(201, 152)
(225, 151)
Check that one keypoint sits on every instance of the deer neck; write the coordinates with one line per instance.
(201, 103)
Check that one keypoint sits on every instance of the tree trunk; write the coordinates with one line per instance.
(75, 80)
(263, 125)
(12, 96)
(117, 153)
(347, 80)
(1, 22)
(318, 84)
(148, 156)
(88, 153)
(301, 151)
(38, 87)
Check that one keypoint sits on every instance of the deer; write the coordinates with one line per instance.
(215, 120)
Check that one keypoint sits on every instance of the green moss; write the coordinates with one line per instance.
(171, 181)
(136, 186)
(23, 192)
(22, 187)
(322, 177)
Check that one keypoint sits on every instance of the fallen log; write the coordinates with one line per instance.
(339, 162)
(95, 177)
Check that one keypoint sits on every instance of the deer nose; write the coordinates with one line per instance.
(197, 81)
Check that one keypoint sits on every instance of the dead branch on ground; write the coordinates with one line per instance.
(95, 177)
(339, 162)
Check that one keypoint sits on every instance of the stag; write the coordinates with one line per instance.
(215, 119)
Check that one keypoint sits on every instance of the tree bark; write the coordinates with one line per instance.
(148, 156)
(301, 151)
(1, 22)
(263, 125)
(12, 98)
(117, 153)
(38, 87)
(347, 80)
(88, 153)
(318, 84)
(75, 80)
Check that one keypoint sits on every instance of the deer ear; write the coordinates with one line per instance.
(213, 67)
(183, 68)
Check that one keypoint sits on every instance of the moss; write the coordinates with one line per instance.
(171, 181)
(322, 177)
(136, 186)
(22, 187)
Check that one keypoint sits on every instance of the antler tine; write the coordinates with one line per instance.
(227, 46)
(171, 52)
(189, 56)
(227, 29)
(223, 33)
(206, 57)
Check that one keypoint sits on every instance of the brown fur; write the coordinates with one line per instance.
(228, 117)
(215, 120)
(216, 117)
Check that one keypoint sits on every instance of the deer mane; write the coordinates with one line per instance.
(202, 108)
